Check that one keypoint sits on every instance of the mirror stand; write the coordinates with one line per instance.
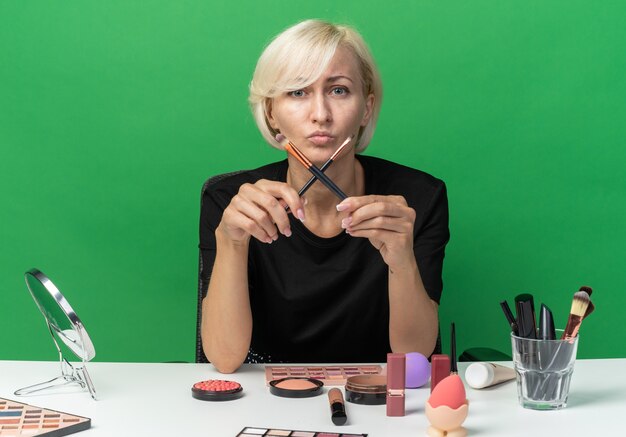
(69, 374)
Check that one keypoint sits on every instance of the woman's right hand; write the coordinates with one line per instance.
(258, 210)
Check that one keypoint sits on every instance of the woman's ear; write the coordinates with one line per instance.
(369, 108)
(269, 115)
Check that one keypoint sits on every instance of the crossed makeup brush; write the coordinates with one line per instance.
(318, 173)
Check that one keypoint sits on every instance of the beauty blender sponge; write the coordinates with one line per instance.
(450, 392)
(417, 370)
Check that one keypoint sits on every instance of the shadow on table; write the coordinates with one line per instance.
(580, 398)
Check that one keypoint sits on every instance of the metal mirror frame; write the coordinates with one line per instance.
(70, 374)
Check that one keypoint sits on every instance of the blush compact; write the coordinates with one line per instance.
(216, 390)
(293, 387)
(367, 389)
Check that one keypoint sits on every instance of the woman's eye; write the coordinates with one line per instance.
(339, 91)
(297, 93)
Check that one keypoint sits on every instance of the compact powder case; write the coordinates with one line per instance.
(293, 387)
(216, 390)
(367, 389)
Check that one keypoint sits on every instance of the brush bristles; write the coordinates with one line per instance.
(580, 303)
(586, 289)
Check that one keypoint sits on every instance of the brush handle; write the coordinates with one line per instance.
(308, 184)
(572, 327)
(296, 153)
(326, 181)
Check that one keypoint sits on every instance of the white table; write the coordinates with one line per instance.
(137, 399)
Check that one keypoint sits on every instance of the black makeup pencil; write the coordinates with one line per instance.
(509, 316)
(453, 367)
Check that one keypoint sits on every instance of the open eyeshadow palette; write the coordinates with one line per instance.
(255, 432)
(329, 375)
(17, 419)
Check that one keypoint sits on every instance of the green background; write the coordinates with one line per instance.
(113, 113)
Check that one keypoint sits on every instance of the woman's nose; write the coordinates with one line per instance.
(320, 109)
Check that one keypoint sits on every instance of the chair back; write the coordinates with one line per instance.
(202, 284)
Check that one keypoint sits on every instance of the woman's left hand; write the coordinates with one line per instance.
(387, 221)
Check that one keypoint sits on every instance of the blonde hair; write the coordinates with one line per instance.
(298, 57)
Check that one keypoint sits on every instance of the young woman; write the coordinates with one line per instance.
(327, 280)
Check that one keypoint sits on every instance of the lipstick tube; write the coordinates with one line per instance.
(396, 373)
(439, 369)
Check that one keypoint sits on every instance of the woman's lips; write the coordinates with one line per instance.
(321, 140)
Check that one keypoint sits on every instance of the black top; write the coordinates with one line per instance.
(319, 299)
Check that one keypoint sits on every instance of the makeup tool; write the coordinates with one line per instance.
(417, 370)
(447, 407)
(509, 316)
(337, 407)
(329, 375)
(367, 389)
(525, 307)
(579, 306)
(296, 153)
(439, 369)
(323, 168)
(68, 334)
(483, 375)
(453, 368)
(17, 418)
(249, 431)
(216, 390)
(546, 324)
(396, 372)
(591, 307)
(293, 387)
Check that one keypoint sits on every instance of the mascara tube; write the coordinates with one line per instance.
(337, 407)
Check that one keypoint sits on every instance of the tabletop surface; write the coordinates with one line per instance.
(155, 399)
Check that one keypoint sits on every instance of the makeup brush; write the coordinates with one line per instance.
(453, 367)
(296, 153)
(591, 307)
(579, 306)
(323, 168)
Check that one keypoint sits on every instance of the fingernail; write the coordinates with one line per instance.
(269, 240)
(287, 232)
(275, 237)
(346, 222)
(300, 214)
(342, 207)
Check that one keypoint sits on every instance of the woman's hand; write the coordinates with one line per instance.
(258, 210)
(387, 221)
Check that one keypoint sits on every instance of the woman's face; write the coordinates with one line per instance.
(318, 118)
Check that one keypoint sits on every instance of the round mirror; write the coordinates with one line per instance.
(61, 318)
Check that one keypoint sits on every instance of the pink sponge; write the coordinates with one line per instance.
(450, 392)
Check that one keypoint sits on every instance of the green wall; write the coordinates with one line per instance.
(113, 113)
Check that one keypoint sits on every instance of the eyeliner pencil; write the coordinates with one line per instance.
(293, 151)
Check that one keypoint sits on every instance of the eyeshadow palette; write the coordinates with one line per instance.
(273, 432)
(329, 375)
(17, 419)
